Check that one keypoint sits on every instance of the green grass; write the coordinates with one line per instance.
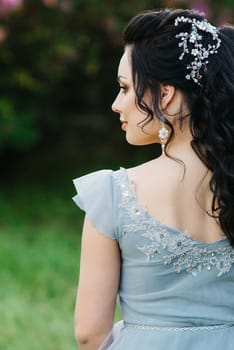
(39, 262)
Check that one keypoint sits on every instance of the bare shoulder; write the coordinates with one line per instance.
(156, 170)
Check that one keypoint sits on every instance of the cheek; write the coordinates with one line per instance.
(149, 132)
(130, 99)
(152, 128)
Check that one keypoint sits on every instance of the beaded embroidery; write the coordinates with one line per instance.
(178, 249)
(177, 329)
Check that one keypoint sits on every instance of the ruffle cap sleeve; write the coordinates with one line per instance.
(95, 196)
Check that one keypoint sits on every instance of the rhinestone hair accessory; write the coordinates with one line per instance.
(192, 44)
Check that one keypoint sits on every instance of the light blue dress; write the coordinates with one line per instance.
(175, 292)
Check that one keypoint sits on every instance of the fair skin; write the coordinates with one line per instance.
(173, 199)
(98, 287)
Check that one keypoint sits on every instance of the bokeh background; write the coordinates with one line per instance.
(58, 66)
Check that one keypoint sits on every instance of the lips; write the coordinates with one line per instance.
(124, 124)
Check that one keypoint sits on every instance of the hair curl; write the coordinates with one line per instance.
(155, 60)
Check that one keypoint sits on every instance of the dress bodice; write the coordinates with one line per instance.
(168, 279)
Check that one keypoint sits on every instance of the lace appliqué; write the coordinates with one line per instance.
(183, 253)
(177, 249)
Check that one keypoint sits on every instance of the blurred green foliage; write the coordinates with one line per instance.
(56, 57)
(47, 55)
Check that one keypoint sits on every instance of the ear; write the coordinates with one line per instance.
(167, 93)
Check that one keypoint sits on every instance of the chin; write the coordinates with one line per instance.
(139, 141)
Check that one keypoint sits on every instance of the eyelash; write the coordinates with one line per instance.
(124, 89)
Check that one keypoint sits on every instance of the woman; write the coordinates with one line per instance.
(161, 235)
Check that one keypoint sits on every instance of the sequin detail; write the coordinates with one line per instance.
(177, 329)
(177, 249)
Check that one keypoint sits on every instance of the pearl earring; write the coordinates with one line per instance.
(163, 135)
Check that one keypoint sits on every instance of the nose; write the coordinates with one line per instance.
(115, 107)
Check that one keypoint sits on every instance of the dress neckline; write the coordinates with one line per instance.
(131, 188)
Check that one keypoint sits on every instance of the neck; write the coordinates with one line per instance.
(180, 146)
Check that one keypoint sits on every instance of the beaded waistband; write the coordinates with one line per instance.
(182, 329)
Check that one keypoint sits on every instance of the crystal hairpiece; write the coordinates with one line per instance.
(196, 47)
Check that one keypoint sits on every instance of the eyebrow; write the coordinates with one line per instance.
(121, 77)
